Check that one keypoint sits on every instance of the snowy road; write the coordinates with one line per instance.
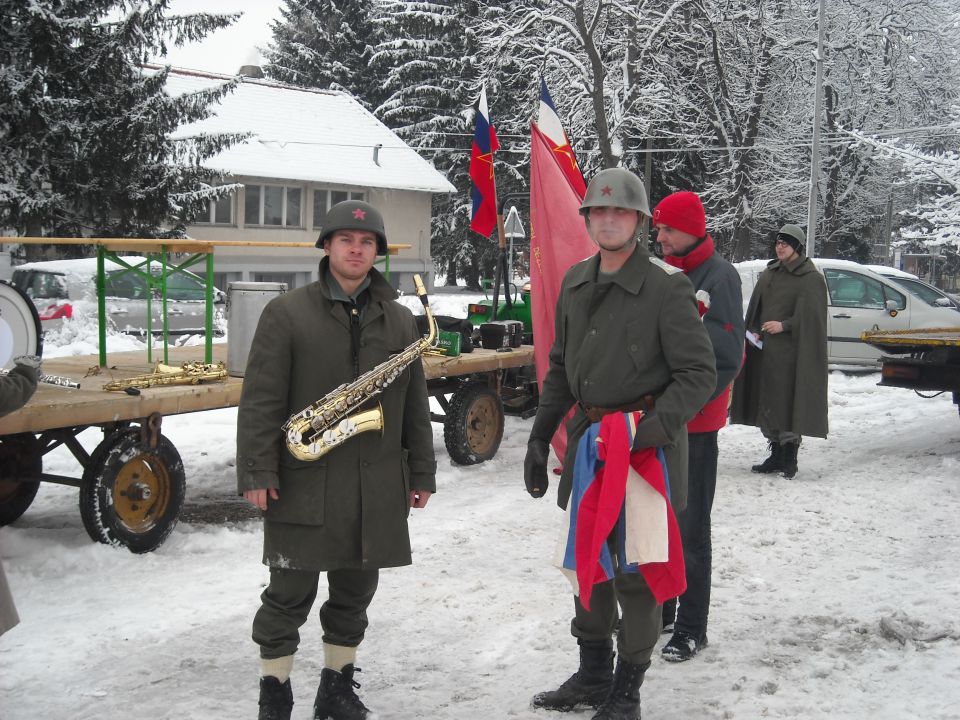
(836, 595)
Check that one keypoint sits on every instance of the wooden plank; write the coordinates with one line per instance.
(56, 407)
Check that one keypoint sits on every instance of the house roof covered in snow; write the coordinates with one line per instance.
(303, 134)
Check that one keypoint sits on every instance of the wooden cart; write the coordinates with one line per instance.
(133, 484)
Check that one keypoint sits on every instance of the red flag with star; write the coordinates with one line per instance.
(483, 213)
(558, 239)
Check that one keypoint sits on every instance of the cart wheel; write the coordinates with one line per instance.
(20, 457)
(474, 425)
(131, 495)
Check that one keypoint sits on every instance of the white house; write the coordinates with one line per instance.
(309, 150)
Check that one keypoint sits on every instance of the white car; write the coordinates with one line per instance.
(930, 294)
(61, 288)
(860, 299)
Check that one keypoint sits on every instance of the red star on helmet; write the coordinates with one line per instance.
(606, 190)
(359, 214)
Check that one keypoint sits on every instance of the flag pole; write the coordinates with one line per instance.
(501, 271)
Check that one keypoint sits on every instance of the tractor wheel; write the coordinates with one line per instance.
(20, 458)
(130, 494)
(473, 427)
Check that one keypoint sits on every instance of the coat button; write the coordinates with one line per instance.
(633, 348)
(250, 462)
(366, 463)
(593, 331)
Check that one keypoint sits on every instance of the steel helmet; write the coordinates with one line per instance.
(354, 215)
(616, 187)
(793, 232)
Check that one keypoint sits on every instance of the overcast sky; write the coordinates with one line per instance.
(224, 51)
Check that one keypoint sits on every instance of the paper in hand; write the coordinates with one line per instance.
(754, 339)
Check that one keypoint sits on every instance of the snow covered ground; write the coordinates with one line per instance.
(836, 594)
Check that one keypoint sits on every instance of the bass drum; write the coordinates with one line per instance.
(19, 326)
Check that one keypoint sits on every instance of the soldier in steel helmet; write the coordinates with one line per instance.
(344, 514)
(628, 338)
(783, 386)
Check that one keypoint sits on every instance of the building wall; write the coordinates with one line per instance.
(406, 218)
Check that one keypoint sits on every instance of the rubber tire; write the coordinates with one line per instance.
(19, 457)
(473, 428)
(117, 463)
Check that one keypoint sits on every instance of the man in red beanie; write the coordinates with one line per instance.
(681, 227)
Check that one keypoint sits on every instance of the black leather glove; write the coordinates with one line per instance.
(535, 468)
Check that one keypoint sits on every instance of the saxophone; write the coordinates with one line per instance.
(189, 373)
(327, 423)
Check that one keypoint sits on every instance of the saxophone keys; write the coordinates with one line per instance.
(329, 437)
(347, 426)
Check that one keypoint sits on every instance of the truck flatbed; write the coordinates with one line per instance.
(133, 483)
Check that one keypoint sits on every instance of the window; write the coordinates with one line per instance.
(853, 290)
(125, 284)
(218, 212)
(277, 205)
(323, 200)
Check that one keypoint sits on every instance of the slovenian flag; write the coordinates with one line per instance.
(483, 214)
(549, 123)
(626, 495)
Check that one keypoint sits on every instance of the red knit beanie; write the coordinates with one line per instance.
(682, 211)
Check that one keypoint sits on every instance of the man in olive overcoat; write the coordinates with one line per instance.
(783, 386)
(627, 329)
(345, 513)
(16, 388)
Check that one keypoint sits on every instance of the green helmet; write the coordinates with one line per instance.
(354, 215)
(616, 187)
(794, 233)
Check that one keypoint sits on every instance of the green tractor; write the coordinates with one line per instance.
(515, 305)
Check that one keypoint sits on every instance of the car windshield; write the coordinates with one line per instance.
(926, 293)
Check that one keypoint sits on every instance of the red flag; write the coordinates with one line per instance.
(483, 212)
(558, 239)
(552, 129)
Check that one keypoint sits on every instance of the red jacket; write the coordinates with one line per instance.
(720, 301)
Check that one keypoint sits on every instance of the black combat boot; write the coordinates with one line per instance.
(276, 699)
(588, 686)
(336, 699)
(623, 702)
(774, 463)
(788, 462)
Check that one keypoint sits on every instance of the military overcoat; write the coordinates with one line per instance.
(783, 387)
(619, 338)
(349, 508)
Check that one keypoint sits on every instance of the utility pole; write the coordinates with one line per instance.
(815, 149)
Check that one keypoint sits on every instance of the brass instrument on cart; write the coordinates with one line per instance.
(189, 373)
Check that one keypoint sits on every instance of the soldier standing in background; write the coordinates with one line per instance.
(783, 386)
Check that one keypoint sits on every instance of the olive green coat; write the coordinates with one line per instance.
(783, 387)
(17, 388)
(616, 341)
(349, 508)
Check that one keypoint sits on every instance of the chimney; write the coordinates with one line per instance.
(250, 71)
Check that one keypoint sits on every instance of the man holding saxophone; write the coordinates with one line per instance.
(342, 510)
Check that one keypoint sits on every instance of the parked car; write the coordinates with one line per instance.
(930, 294)
(61, 288)
(860, 299)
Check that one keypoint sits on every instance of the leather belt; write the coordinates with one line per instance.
(595, 414)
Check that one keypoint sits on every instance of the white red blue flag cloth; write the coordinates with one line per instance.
(624, 495)
(483, 212)
(549, 123)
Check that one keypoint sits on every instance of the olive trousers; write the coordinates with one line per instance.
(639, 617)
(285, 607)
